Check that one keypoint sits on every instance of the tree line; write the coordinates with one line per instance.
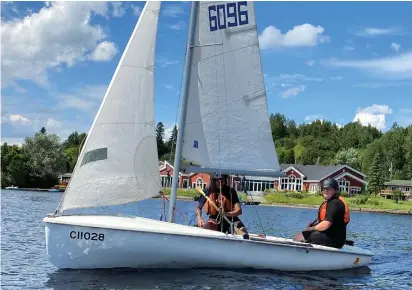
(381, 156)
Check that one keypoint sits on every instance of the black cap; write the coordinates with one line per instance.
(330, 183)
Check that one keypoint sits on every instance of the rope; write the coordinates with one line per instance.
(174, 210)
(260, 222)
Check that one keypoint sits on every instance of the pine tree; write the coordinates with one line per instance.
(376, 174)
(173, 136)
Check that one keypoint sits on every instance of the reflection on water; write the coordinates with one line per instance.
(202, 279)
(24, 263)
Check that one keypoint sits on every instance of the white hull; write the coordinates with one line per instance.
(91, 242)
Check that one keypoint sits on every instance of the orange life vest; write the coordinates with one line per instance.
(322, 211)
(218, 200)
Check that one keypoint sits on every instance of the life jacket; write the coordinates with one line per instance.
(322, 211)
(219, 200)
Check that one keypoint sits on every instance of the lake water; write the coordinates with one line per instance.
(24, 263)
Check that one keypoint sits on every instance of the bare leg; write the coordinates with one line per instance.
(299, 237)
(210, 225)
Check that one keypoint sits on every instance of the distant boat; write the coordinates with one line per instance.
(11, 187)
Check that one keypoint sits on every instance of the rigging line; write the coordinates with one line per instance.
(257, 213)
(177, 114)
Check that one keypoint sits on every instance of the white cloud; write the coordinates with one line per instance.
(373, 115)
(292, 92)
(300, 36)
(338, 78)
(168, 132)
(399, 66)
(312, 118)
(299, 77)
(169, 87)
(172, 10)
(348, 48)
(404, 110)
(12, 140)
(61, 34)
(15, 119)
(117, 9)
(137, 10)
(83, 98)
(381, 85)
(164, 62)
(376, 31)
(376, 109)
(52, 123)
(177, 26)
(310, 62)
(395, 46)
(104, 51)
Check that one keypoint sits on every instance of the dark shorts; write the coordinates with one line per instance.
(225, 226)
(319, 238)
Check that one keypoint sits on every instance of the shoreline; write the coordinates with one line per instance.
(308, 206)
(315, 207)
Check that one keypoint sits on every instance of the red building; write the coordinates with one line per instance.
(298, 178)
(185, 180)
(310, 177)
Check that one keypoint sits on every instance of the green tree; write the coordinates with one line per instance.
(349, 157)
(278, 126)
(160, 133)
(173, 136)
(46, 159)
(13, 166)
(376, 174)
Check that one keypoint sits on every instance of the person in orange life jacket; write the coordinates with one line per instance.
(329, 229)
(227, 200)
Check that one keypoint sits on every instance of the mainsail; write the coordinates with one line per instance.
(227, 126)
(119, 163)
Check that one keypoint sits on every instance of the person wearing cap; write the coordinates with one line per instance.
(329, 229)
(227, 200)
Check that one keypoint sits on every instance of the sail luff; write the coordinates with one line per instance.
(183, 107)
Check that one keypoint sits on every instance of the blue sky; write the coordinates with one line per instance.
(334, 61)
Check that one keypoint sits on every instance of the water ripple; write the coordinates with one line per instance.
(24, 264)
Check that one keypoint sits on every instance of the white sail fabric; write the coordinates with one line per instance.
(119, 162)
(227, 123)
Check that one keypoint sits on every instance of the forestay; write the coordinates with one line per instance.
(119, 162)
(227, 124)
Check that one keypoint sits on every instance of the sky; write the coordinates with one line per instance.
(340, 62)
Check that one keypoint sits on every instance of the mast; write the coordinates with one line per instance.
(183, 107)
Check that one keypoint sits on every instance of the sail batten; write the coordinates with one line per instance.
(119, 163)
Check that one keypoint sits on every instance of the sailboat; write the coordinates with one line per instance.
(223, 127)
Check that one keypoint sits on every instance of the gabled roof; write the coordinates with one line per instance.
(313, 172)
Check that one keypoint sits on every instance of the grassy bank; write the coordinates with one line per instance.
(358, 202)
(302, 199)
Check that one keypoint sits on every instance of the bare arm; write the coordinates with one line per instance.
(236, 212)
(322, 226)
(199, 216)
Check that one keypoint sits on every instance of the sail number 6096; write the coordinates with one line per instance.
(226, 15)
